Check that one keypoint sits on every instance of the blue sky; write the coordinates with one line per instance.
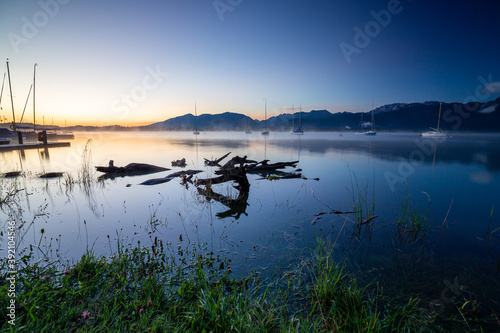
(137, 62)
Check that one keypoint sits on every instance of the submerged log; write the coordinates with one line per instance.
(168, 178)
(130, 169)
(264, 166)
(282, 175)
(52, 175)
(12, 174)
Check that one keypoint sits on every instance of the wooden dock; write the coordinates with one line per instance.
(33, 145)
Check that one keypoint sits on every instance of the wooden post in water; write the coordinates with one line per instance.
(20, 138)
(44, 136)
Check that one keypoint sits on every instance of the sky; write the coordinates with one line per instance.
(139, 62)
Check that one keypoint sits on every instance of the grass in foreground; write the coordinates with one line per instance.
(146, 290)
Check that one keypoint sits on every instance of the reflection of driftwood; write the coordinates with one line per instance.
(216, 161)
(179, 163)
(236, 206)
(156, 181)
(130, 169)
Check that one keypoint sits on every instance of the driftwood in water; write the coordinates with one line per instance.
(216, 161)
(130, 169)
(283, 175)
(12, 174)
(233, 163)
(179, 163)
(235, 170)
(187, 173)
(52, 175)
(264, 166)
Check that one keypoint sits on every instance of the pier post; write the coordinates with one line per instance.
(20, 138)
(44, 135)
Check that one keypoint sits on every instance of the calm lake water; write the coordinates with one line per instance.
(454, 182)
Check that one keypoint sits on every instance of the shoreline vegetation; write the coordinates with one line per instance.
(151, 289)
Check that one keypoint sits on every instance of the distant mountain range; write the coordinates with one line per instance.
(392, 117)
(413, 117)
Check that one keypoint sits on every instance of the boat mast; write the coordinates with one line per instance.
(265, 115)
(439, 118)
(34, 75)
(195, 119)
(293, 117)
(373, 119)
(1, 92)
(300, 117)
(11, 98)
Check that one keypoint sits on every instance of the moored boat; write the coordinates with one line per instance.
(435, 132)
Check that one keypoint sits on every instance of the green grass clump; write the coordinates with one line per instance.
(412, 223)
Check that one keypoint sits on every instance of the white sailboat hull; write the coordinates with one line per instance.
(433, 134)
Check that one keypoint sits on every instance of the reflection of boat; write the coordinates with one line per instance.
(372, 130)
(195, 132)
(247, 131)
(298, 130)
(265, 131)
(435, 132)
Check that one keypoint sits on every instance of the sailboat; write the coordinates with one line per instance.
(265, 131)
(435, 132)
(51, 131)
(298, 130)
(372, 130)
(195, 132)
